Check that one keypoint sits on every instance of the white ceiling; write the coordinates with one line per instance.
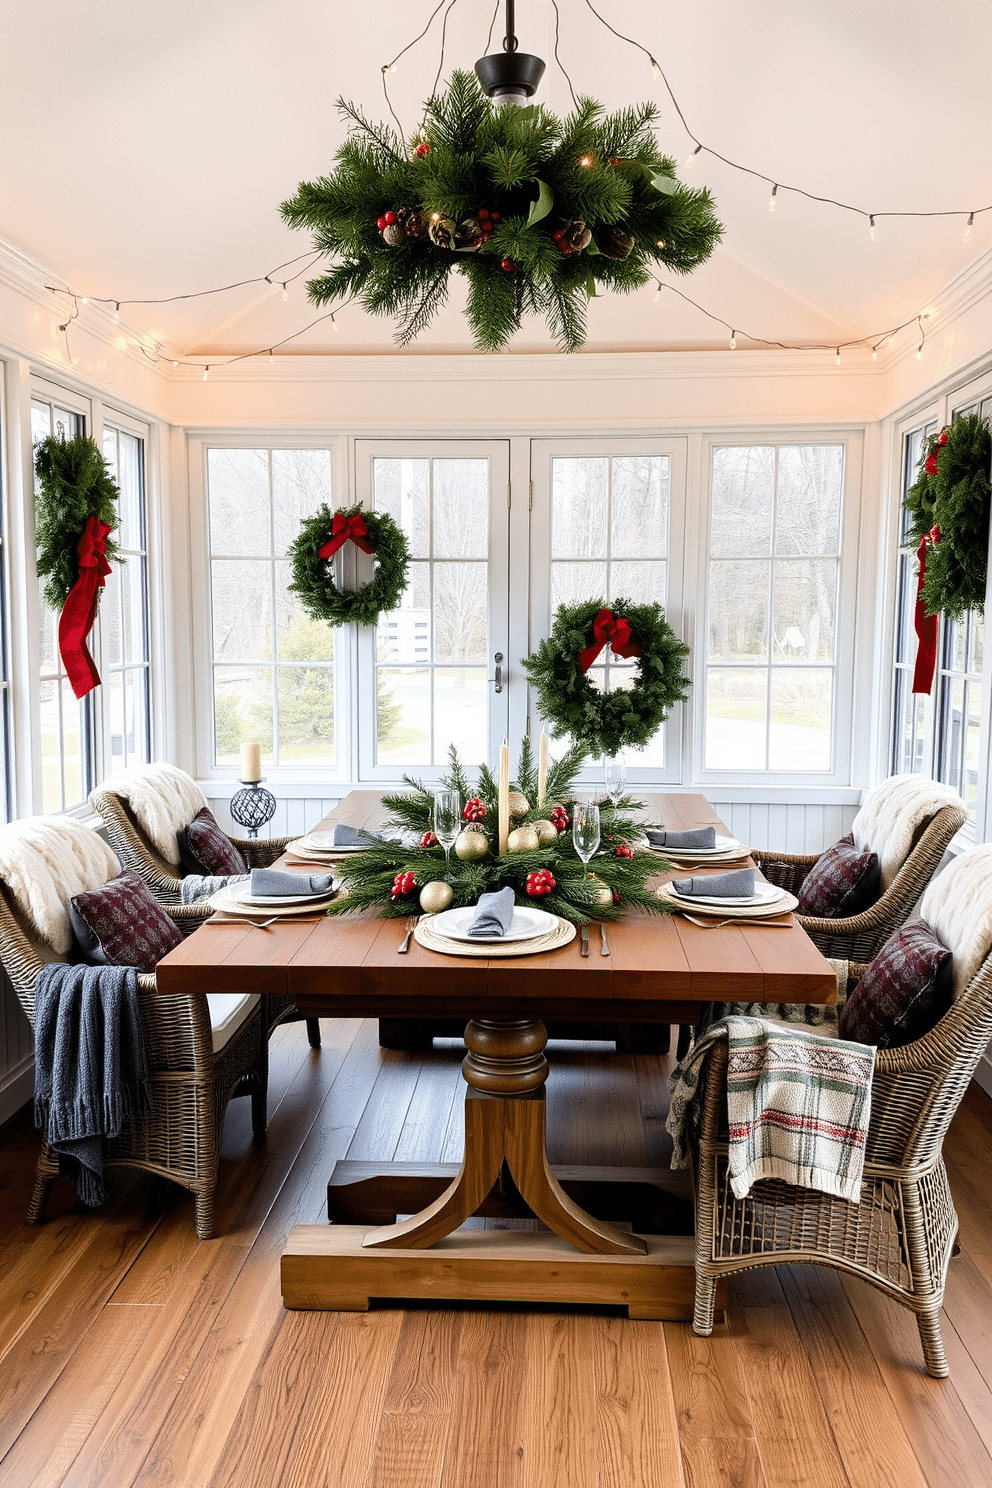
(146, 148)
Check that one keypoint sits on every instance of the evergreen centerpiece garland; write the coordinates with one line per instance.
(312, 554)
(607, 722)
(616, 878)
(948, 504)
(537, 212)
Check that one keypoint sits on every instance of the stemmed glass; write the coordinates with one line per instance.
(615, 773)
(585, 829)
(447, 821)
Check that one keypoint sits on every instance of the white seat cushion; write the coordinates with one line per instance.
(228, 1010)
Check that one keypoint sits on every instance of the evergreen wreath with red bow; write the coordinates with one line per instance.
(312, 554)
(627, 717)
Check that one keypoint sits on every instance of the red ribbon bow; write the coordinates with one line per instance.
(924, 624)
(79, 610)
(347, 529)
(609, 630)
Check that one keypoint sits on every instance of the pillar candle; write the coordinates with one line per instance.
(251, 763)
(542, 768)
(504, 796)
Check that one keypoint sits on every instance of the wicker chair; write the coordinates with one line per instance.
(191, 1085)
(862, 936)
(901, 1235)
(136, 851)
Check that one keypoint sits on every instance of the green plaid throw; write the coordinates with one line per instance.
(797, 1105)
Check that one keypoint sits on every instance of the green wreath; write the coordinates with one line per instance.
(313, 577)
(74, 484)
(605, 723)
(952, 492)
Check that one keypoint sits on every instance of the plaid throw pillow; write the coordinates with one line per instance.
(905, 992)
(120, 924)
(842, 882)
(205, 849)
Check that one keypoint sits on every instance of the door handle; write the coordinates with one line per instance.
(497, 678)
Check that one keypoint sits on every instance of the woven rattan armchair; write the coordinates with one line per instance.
(136, 851)
(862, 936)
(901, 1235)
(179, 1137)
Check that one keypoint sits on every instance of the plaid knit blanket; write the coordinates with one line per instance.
(798, 1105)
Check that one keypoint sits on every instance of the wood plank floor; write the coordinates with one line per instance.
(132, 1354)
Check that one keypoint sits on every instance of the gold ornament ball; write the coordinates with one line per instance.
(435, 896)
(471, 847)
(604, 894)
(518, 803)
(523, 839)
(547, 832)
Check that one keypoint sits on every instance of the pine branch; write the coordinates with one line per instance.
(527, 771)
(455, 777)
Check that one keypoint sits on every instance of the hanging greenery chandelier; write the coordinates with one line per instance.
(539, 213)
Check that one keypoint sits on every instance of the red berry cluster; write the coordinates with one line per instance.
(428, 840)
(488, 222)
(560, 819)
(508, 265)
(403, 884)
(540, 883)
(423, 148)
(623, 851)
(474, 810)
(931, 465)
(558, 238)
(386, 220)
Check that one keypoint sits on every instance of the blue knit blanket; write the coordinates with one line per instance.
(90, 1066)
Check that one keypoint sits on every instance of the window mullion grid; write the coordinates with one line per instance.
(273, 627)
(430, 600)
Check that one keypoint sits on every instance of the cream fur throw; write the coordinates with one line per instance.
(958, 908)
(163, 798)
(891, 814)
(45, 860)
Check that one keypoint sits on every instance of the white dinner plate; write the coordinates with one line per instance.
(763, 894)
(242, 893)
(323, 842)
(722, 844)
(526, 924)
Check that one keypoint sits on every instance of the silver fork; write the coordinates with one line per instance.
(605, 949)
(411, 925)
(719, 924)
(252, 924)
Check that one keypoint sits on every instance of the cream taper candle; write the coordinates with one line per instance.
(251, 763)
(504, 796)
(542, 768)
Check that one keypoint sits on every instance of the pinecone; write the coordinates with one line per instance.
(442, 231)
(468, 233)
(412, 222)
(576, 235)
(614, 242)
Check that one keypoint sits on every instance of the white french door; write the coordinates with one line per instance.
(608, 523)
(434, 670)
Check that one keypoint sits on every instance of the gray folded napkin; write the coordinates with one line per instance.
(493, 914)
(736, 885)
(268, 883)
(345, 836)
(697, 837)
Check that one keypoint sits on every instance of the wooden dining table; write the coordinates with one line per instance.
(660, 969)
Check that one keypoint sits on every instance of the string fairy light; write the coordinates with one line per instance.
(772, 198)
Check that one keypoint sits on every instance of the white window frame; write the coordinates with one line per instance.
(116, 419)
(849, 564)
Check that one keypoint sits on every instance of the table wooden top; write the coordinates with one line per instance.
(661, 967)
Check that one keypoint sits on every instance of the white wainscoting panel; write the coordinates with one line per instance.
(294, 815)
(16, 1061)
(792, 827)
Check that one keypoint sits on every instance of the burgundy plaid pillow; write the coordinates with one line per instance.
(120, 924)
(842, 882)
(905, 992)
(204, 848)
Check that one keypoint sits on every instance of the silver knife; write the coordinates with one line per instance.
(584, 932)
(606, 944)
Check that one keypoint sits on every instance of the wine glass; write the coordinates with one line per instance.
(447, 821)
(585, 829)
(615, 773)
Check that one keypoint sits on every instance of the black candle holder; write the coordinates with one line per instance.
(253, 806)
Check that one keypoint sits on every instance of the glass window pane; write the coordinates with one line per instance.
(460, 596)
(461, 508)
(743, 484)
(72, 747)
(301, 483)
(50, 729)
(800, 723)
(640, 506)
(242, 614)
(113, 687)
(977, 642)
(403, 714)
(641, 583)
(41, 421)
(736, 712)
(402, 488)
(810, 481)
(460, 707)
(579, 507)
(48, 624)
(306, 715)
(571, 583)
(134, 587)
(110, 618)
(238, 483)
(242, 711)
(404, 634)
(129, 479)
(110, 451)
(136, 714)
(971, 747)
(952, 733)
(738, 611)
(805, 596)
(906, 600)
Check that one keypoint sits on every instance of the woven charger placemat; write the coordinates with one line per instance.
(682, 856)
(780, 906)
(431, 940)
(226, 904)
